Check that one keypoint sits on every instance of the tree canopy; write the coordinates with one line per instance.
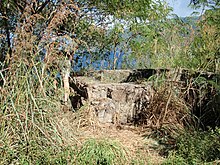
(95, 30)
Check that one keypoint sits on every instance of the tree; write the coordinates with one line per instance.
(205, 46)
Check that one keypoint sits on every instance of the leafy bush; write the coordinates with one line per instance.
(196, 148)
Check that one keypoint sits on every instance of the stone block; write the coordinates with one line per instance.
(116, 101)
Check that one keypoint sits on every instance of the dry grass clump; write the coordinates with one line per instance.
(165, 108)
(168, 108)
(167, 115)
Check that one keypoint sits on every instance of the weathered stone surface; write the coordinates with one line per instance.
(115, 102)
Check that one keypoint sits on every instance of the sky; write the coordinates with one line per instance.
(181, 7)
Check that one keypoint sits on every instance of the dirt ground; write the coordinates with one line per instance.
(78, 127)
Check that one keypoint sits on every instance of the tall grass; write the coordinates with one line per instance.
(28, 129)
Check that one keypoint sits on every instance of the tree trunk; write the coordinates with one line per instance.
(65, 76)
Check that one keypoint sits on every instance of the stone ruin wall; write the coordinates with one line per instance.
(118, 96)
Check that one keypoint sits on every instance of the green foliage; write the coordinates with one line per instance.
(174, 159)
(138, 29)
(160, 44)
(196, 148)
(104, 152)
(129, 9)
(205, 47)
(37, 154)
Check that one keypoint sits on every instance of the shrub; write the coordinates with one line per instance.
(101, 152)
(196, 147)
